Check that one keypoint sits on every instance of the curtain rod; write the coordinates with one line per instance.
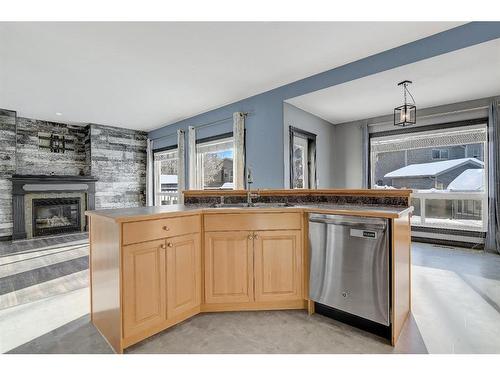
(198, 126)
(217, 121)
(164, 136)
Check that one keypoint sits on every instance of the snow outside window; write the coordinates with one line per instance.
(445, 168)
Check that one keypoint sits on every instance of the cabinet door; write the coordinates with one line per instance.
(143, 287)
(228, 267)
(278, 265)
(183, 274)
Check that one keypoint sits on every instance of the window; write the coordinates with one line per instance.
(440, 154)
(166, 177)
(446, 168)
(300, 163)
(302, 159)
(214, 160)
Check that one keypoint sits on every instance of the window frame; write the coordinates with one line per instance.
(482, 196)
(440, 152)
(166, 149)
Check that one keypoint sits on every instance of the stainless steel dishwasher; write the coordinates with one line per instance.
(349, 265)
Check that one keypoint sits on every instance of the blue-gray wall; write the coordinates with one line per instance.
(264, 138)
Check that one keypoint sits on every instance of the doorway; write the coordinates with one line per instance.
(302, 159)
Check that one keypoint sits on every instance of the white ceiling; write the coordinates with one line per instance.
(143, 75)
(466, 74)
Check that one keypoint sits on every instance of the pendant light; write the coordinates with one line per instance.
(407, 113)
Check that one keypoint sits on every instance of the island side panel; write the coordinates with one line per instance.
(105, 279)
(401, 274)
(307, 262)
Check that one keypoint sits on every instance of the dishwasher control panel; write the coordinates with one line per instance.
(364, 233)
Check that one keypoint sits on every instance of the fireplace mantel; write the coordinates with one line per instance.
(51, 178)
(30, 184)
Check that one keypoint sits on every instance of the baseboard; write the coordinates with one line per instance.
(448, 237)
(451, 243)
(5, 238)
(254, 306)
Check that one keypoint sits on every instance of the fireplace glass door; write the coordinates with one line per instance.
(56, 215)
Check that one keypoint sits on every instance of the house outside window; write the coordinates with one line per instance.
(440, 153)
(166, 177)
(449, 182)
(214, 160)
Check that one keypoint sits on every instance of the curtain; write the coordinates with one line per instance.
(149, 172)
(239, 151)
(365, 145)
(192, 157)
(492, 242)
(181, 165)
(313, 177)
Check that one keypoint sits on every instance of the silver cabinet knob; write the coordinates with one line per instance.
(166, 228)
(170, 244)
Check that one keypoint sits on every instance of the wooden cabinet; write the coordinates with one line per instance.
(144, 287)
(253, 266)
(228, 267)
(278, 265)
(251, 260)
(161, 282)
(252, 221)
(183, 262)
(140, 231)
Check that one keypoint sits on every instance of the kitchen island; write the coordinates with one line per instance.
(153, 267)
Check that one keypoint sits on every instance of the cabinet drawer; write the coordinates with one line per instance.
(264, 221)
(148, 230)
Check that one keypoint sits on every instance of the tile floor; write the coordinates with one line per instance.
(455, 299)
(34, 269)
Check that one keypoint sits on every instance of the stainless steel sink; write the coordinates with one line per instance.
(255, 205)
(231, 205)
(272, 204)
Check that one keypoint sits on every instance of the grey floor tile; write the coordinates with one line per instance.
(454, 297)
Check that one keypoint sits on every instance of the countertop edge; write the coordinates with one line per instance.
(209, 210)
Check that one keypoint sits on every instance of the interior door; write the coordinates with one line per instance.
(183, 274)
(144, 287)
(228, 267)
(278, 265)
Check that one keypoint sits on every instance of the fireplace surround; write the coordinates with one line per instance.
(48, 205)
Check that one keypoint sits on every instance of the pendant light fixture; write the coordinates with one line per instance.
(407, 113)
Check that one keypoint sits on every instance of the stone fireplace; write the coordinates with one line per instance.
(50, 205)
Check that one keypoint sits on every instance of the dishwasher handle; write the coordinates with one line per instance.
(374, 226)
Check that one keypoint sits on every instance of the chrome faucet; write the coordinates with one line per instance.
(250, 196)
